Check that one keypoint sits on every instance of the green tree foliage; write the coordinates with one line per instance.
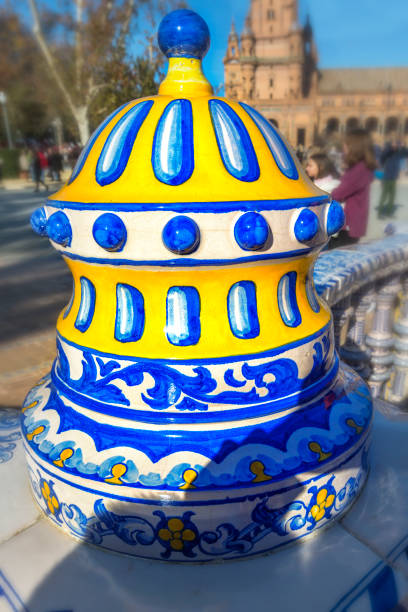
(27, 112)
(80, 60)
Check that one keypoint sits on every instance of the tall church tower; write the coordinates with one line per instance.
(232, 66)
(278, 48)
(248, 62)
(273, 64)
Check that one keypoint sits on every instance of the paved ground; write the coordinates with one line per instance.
(375, 226)
(35, 285)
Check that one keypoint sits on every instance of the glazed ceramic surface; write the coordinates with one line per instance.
(361, 562)
(196, 409)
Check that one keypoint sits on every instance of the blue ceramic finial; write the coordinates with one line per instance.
(184, 33)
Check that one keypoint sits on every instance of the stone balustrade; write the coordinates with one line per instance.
(367, 288)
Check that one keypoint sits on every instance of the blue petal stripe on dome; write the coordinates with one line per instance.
(87, 305)
(275, 143)
(311, 295)
(130, 313)
(287, 301)
(242, 310)
(234, 143)
(173, 145)
(183, 327)
(118, 146)
(87, 148)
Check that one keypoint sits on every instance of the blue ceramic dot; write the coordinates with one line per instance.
(251, 231)
(306, 226)
(335, 218)
(59, 229)
(109, 232)
(183, 33)
(181, 235)
(38, 222)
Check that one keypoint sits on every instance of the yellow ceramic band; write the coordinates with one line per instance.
(216, 339)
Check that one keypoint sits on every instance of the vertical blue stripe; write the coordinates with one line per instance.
(87, 148)
(275, 143)
(311, 294)
(234, 143)
(183, 326)
(242, 310)
(118, 146)
(71, 301)
(87, 305)
(130, 313)
(173, 144)
(287, 301)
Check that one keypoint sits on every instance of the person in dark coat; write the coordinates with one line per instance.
(354, 188)
(391, 162)
(55, 164)
(39, 164)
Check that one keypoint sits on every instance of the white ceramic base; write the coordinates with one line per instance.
(286, 476)
(41, 569)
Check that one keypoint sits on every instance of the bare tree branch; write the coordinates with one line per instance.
(39, 36)
(79, 57)
(124, 30)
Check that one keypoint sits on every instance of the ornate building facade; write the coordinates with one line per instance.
(273, 65)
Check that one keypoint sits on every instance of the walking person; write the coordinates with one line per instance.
(38, 170)
(390, 159)
(55, 164)
(354, 188)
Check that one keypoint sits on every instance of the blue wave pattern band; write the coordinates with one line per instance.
(130, 313)
(275, 143)
(234, 143)
(183, 327)
(87, 305)
(118, 146)
(242, 310)
(87, 149)
(173, 145)
(287, 302)
(335, 433)
(252, 389)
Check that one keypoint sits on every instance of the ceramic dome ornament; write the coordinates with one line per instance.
(197, 409)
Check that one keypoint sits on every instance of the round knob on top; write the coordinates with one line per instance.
(183, 33)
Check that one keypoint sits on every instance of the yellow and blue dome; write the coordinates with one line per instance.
(184, 156)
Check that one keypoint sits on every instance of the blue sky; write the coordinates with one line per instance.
(348, 33)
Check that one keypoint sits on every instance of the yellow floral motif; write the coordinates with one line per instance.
(175, 534)
(258, 470)
(189, 477)
(323, 502)
(51, 500)
(28, 406)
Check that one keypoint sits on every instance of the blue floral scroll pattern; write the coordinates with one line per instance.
(9, 433)
(180, 534)
(195, 392)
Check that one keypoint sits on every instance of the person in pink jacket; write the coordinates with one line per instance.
(354, 188)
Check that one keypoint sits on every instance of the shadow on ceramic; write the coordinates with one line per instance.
(347, 572)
